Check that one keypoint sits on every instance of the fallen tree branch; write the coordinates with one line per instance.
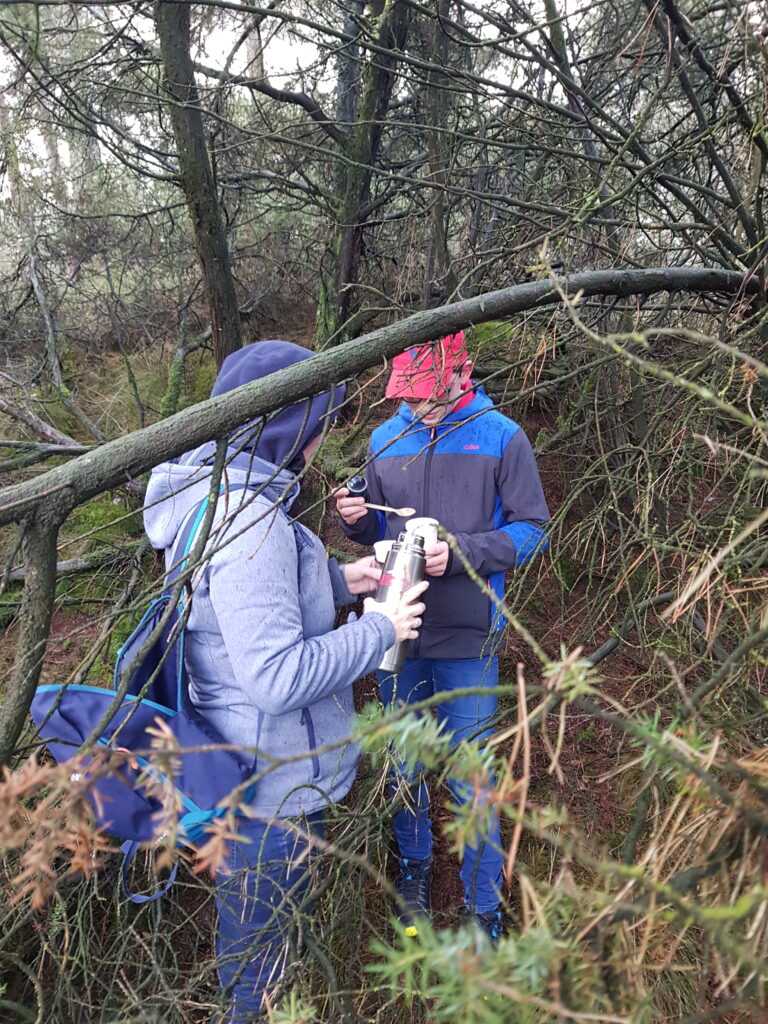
(32, 455)
(48, 449)
(71, 566)
(35, 424)
(627, 625)
(125, 458)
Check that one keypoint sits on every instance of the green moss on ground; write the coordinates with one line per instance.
(103, 520)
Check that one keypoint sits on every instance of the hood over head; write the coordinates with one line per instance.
(254, 449)
(281, 437)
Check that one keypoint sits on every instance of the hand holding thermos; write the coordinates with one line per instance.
(404, 614)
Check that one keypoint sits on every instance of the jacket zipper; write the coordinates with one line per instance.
(309, 725)
(428, 466)
(426, 512)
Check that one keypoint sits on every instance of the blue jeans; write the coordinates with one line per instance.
(469, 718)
(259, 891)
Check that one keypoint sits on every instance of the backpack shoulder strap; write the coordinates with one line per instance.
(185, 538)
(180, 550)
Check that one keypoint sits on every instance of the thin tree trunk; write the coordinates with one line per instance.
(26, 212)
(39, 552)
(636, 422)
(348, 63)
(439, 278)
(197, 180)
(52, 351)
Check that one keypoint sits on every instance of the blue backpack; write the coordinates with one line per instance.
(153, 657)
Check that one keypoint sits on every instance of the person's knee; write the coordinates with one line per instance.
(464, 792)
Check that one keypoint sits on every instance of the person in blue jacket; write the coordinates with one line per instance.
(265, 664)
(453, 457)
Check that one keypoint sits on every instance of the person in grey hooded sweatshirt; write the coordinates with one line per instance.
(266, 667)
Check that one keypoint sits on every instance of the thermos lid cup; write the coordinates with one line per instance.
(424, 527)
(357, 485)
(381, 549)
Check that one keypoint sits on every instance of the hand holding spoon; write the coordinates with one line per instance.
(404, 512)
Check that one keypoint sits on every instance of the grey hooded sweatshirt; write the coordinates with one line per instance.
(266, 666)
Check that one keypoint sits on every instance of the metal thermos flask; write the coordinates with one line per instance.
(404, 568)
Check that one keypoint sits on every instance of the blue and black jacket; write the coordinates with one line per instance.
(475, 473)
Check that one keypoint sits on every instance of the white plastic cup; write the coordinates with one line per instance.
(425, 527)
(381, 549)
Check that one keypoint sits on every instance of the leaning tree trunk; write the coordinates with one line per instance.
(40, 531)
(197, 180)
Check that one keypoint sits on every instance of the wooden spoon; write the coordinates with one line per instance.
(404, 512)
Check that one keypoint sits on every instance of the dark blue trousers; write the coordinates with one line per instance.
(259, 892)
(470, 718)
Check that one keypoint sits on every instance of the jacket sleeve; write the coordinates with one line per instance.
(372, 526)
(521, 513)
(341, 594)
(254, 590)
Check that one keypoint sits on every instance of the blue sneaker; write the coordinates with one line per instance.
(489, 922)
(413, 885)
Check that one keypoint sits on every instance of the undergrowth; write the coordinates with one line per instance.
(628, 761)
